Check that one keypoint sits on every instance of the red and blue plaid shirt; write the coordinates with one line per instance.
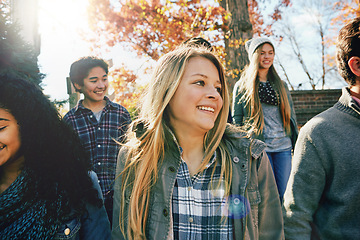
(98, 137)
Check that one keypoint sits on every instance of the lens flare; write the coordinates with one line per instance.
(239, 206)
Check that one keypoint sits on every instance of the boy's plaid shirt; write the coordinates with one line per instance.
(98, 138)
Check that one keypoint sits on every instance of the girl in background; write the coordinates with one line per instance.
(183, 172)
(46, 188)
(262, 103)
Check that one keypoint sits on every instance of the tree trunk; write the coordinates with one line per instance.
(240, 29)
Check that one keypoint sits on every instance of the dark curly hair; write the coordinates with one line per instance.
(347, 46)
(53, 154)
(80, 69)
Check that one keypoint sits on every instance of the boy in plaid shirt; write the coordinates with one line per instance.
(99, 122)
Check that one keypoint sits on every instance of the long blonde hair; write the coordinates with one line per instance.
(249, 87)
(146, 150)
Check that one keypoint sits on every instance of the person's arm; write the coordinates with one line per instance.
(294, 128)
(291, 103)
(237, 107)
(116, 232)
(270, 216)
(66, 118)
(95, 224)
(69, 119)
(304, 189)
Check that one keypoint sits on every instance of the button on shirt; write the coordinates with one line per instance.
(199, 209)
(98, 137)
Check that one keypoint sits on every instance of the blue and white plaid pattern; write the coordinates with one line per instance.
(199, 209)
(98, 138)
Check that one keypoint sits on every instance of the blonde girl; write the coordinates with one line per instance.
(263, 104)
(183, 173)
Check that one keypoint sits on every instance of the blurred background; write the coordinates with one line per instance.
(132, 35)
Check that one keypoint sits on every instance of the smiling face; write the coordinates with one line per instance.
(10, 141)
(197, 100)
(95, 85)
(266, 56)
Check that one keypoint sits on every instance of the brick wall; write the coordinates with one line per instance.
(308, 103)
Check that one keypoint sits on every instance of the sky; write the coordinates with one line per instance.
(61, 43)
(60, 24)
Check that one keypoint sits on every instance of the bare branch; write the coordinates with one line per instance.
(284, 71)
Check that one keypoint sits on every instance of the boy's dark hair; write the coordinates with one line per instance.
(347, 46)
(198, 42)
(80, 69)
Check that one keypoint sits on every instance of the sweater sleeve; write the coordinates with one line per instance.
(304, 189)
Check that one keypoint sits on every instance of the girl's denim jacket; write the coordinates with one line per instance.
(94, 225)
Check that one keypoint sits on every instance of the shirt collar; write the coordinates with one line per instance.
(80, 105)
(212, 160)
(357, 100)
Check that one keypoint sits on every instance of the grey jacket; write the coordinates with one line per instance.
(252, 178)
(322, 199)
(240, 112)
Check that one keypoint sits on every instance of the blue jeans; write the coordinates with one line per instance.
(281, 165)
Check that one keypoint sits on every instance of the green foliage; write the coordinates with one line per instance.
(16, 56)
(134, 112)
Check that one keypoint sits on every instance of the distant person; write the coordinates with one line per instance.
(99, 122)
(263, 104)
(198, 42)
(184, 173)
(201, 42)
(322, 199)
(47, 188)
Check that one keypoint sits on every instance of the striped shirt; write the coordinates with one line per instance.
(98, 137)
(198, 208)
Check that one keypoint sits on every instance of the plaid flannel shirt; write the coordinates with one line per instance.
(98, 138)
(200, 212)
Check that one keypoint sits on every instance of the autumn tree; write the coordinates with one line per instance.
(246, 19)
(126, 89)
(348, 9)
(153, 27)
(150, 28)
(308, 34)
(316, 19)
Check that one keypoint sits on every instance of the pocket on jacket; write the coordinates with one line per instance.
(254, 196)
(69, 230)
(254, 199)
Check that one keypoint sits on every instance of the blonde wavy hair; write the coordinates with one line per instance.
(249, 86)
(146, 150)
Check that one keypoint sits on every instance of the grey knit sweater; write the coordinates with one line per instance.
(322, 198)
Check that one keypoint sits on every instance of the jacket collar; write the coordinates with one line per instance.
(241, 140)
